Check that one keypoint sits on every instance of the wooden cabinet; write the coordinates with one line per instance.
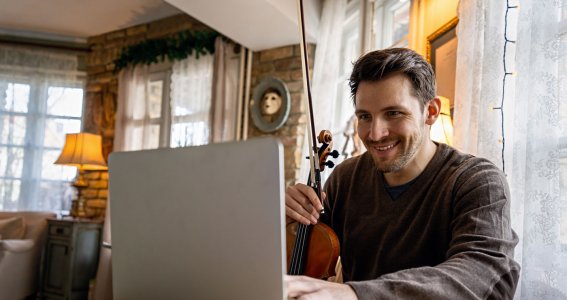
(70, 258)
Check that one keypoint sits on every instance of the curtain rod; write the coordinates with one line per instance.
(41, 43)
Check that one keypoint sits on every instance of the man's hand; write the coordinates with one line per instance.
(302, 204)
(303, 287)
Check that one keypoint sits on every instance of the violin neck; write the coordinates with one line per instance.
(299, 254)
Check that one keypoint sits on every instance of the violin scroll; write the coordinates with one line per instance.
(326, 138)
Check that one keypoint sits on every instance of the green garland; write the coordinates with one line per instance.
(177, 47)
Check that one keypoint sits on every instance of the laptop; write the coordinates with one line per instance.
(201, 222)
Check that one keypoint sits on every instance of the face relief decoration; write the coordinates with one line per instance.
(270, 105)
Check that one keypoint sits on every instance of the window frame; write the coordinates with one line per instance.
(36, 118)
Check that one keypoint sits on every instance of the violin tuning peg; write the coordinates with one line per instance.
(329, 164)
(335, 154)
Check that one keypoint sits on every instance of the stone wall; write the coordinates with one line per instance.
(102, 90)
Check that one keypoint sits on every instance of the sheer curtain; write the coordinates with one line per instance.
(535, 100)
(133, 131)
(225, 102)
(478, 86)
(327, 108)
(191, 92)
(41, 96)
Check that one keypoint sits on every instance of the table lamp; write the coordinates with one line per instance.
(442, 129)
(84, 151)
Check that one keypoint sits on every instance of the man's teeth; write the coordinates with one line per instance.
(386, 147)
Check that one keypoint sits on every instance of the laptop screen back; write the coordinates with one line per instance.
(198, 223)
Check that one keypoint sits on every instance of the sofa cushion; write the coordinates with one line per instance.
(12, 228)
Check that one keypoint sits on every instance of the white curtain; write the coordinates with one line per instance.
(191, 92)
(133, 131)
(225, 102)
(533, 105)
(326, 76)
(33, 123)
(478, 86)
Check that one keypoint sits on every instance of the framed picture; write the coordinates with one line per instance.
(441, 50)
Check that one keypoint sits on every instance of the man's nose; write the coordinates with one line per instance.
(378, 130)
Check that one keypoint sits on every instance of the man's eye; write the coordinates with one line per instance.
(364, 117)
(394, 114)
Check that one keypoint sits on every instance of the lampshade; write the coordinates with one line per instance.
(82, 150)
(442, 129)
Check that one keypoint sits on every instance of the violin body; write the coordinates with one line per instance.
(323, 250)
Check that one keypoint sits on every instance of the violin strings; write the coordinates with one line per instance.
(298, 255)
(297, 249)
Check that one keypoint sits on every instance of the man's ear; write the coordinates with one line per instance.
(433, 108)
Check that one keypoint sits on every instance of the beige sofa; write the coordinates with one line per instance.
(20, 258)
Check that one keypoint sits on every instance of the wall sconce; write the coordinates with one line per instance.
(84, 151)
(442, 129)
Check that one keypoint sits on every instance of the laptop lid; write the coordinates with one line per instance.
(201, 222)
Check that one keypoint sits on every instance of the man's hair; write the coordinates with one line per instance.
(376, 65)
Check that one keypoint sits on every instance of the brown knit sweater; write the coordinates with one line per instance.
(447, 236)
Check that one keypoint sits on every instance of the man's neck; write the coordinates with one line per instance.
(414, 167)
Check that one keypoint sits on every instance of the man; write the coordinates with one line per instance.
(416, 219)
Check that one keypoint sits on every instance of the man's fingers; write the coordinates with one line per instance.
(303, 288)
(298, 217)
(300, 285)
(305, 194)
(308, 213)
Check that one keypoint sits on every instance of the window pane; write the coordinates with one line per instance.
(155, 96)
(55, 195)
(55, 130)
(189, 134)
(12, 129)
(52, 171)
(400, 22)
(11, 161)
(64, 101)
(391, 24)
(141, 139)
(9, 193)
(17, 98)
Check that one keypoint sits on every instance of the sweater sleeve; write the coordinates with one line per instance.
(479, 262)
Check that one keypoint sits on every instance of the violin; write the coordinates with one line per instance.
(312, 250)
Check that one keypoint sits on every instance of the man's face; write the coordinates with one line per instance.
(391, 122)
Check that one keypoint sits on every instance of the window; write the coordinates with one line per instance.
(350, 51)
(165, 105)
(36, 111)
(154, 117)
(389, 27)
(390, 24)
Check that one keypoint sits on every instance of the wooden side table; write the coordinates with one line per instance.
(70, 258)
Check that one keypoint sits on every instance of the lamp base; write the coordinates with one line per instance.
(78, 205)
(74, 206)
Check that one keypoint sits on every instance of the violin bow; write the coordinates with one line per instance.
(315, 168)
